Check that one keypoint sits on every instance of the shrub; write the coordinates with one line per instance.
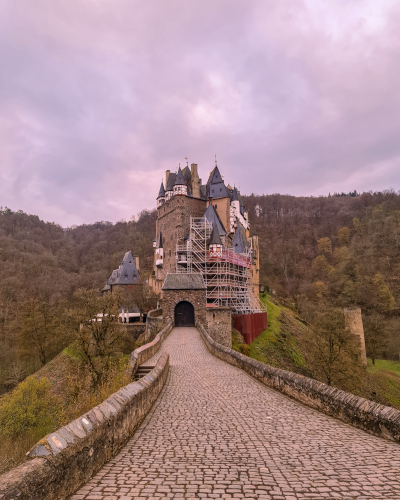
(29, 409)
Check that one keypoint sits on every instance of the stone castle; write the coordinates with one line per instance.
(203, 229)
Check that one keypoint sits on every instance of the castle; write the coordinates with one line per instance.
(203, 229)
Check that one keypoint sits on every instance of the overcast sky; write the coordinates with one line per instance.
(99, 97)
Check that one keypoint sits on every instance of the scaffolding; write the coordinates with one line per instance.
(227, 274)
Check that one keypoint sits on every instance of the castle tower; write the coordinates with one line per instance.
(169, 190)
(161, 196)
(354, 322)
(215, 245)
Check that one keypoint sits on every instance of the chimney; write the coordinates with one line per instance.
(166, 177)
(137, 262)
(195, 181)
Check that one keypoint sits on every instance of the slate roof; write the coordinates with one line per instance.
(161, 193)
(187, 175)
(211, 215)
(235, 195)
(215, 185)
(179, 178)
(215, 238)
(126, 274)
(175, 281)
(106, 288)
(171, 182)
(240, 244)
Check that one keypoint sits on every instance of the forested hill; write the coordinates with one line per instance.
(343, 250)
(42, 264)
(339, 251)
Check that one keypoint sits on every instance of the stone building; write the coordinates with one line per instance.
(204, 229)
(126, 279)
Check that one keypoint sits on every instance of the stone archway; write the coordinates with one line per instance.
(184, 314)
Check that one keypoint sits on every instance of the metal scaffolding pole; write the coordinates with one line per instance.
(226, 274)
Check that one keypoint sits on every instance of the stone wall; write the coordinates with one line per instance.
(372, 417)
(65, 460)
(173, 220)
(219, 325)
(355, 324)
(154, 324)
(146, 352)
(196, 297)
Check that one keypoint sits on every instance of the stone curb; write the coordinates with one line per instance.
(369, 416)
(63, 461)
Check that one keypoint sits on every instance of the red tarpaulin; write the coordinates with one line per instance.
(250, 325)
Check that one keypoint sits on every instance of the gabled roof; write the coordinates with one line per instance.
(215, 238)
(126, 274)
(171, 182)
(178, 281)
(159, 240)
(161, 193)
(211, 215)
(179, 180)
(240, 244)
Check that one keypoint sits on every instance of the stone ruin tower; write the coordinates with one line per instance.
(354, 322)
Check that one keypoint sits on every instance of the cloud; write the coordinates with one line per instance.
(98, 98)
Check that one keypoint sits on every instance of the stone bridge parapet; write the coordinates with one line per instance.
(66, 459)
(372, 417)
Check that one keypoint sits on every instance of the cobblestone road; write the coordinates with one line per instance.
(217, 433)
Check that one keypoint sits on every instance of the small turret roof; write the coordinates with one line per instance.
(159, 240)
(126, 274)
(179, 178)
(161, 193)
(215, 238)
(234, 195)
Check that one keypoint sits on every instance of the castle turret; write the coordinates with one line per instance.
(215, 243)
(169, 191)
(180, 186)
(161, 196)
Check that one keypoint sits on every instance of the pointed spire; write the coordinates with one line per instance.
(215, 239)
(161, 193)
(179, 177)
(235, 195)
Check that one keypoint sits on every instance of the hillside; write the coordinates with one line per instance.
(339, 250)
(41, 265)
(284, 345)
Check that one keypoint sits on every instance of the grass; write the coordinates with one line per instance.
(385, 365)
(280, 344)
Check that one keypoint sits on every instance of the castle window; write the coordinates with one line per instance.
(170, 253)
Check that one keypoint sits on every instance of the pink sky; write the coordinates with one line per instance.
(99, 97)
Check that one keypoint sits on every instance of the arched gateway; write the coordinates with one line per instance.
(184, 314)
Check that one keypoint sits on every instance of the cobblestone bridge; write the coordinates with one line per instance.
(217, 433)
